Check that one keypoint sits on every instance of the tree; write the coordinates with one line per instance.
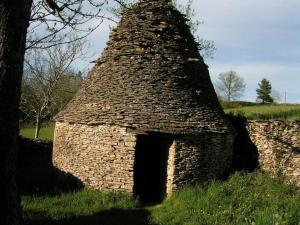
(264, 91)
(230, 86)
(66, 89)
(276, 96)
(14, 20)
(52, 20)
(206, 47)
(49, 80)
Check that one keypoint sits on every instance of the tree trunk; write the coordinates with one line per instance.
(14, 17)
(37, 127)
(229, 94)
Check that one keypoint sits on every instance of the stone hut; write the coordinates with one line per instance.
(147, 120)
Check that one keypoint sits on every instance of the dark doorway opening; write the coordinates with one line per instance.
(150, 169)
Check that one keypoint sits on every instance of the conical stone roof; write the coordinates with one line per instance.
(150, 78)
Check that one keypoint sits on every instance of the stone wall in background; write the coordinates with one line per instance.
(102, 157)
(278, 145)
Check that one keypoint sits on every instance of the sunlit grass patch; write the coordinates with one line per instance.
(243, 199)
(266, 112)
(46, 133)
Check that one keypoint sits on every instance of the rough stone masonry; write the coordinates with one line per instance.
(149, 84)
(278, 145)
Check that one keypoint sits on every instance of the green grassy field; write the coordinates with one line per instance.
(266, 112)
(255, 112)
(46, 133)
(244, 199)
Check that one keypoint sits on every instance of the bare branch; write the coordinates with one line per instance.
(230, 86)
(47, 73)
(52, 5)
(51, 19)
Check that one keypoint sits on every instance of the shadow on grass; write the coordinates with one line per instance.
(109, 217)
(36, 175)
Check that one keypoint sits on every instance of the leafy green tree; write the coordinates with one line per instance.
(230, 86)
(264, 91)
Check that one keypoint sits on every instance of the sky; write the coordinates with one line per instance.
(256, 38)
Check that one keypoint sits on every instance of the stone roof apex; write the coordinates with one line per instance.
(150, 77)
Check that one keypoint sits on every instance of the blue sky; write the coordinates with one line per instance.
(256, 38)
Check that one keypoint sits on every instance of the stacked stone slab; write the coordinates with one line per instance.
(278, 145)
(150, 80)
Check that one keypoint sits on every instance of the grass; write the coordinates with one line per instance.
(71, 206)
(84, 207)
(266, 112)
(243, 199)
(250, 110)
(46, 133)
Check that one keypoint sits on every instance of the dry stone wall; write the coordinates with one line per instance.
(171, 169)
(102, 157)
(150, 77)
(200, 158)
(278, 144)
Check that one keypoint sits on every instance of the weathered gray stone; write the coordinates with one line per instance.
(150, 80)
(278, 144)
(191, 159)
(145, 78)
